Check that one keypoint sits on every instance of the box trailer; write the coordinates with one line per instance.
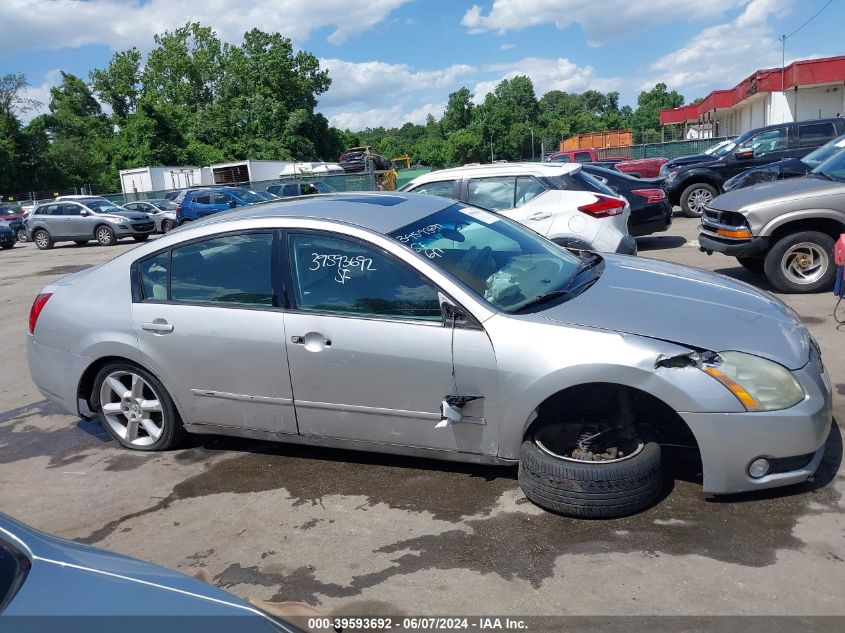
(159, 178)
(245, 171)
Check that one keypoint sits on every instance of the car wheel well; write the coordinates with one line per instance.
(654, 419)
(699, 180)
(86, 383)
(828, 226)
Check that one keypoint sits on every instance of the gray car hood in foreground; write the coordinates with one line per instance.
(687, 306)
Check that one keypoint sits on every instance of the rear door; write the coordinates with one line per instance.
(442, 188)
(208, 323)
(813, 134)
(521, 198)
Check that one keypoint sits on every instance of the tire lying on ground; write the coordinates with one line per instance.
(591, 489)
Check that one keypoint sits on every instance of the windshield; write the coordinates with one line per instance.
(833, 168)
(722, 149)
(247, 196)
(820, 155)
(102, 206)
(164, 205)
(509, 265)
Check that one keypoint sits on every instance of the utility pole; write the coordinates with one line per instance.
(532, 142)
(491, 149)
(782, 61)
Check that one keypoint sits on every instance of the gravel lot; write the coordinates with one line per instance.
(366, 534)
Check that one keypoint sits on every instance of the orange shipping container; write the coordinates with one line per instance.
(598, 140)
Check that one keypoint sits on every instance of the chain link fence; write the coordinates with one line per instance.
(669, 149)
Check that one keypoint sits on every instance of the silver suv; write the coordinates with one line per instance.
(83, 219)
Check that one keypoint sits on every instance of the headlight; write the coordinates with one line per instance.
(671, 176)
(759, 384)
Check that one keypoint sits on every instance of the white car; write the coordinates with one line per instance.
(557, 200)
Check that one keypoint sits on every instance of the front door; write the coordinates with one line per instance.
(369, 355)
(76, 223)
(209, 325)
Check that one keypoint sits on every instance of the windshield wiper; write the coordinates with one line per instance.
(588, 261)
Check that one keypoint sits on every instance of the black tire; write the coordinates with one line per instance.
(166, 226)
(21, 235)
(754, 264)
(692, 196)
(140, 238)
(591, 490)
(173, 431)
(80, 242)
(105, 235)
(8, 246)
(42, 240)
(782, 251)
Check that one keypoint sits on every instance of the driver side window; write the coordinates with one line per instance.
(768, 141)
(345, 277)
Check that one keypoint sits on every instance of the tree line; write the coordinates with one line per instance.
(195, 100)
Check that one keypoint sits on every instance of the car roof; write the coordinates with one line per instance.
(380, 212)
(504, 169)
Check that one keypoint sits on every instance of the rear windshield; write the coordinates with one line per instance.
(14, 567)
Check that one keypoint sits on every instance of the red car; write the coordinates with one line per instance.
(643, 167)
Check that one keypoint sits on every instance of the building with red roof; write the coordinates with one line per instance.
(806, 89)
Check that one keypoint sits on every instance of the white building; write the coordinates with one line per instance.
(808, 89)
(145, 179)
(244, 171)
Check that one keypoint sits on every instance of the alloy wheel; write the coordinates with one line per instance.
(699, 199)
(804, 263)
(132, 408)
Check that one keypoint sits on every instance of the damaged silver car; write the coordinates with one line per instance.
(412, 324)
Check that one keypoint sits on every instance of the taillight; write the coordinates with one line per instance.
(651, 195)
(604, 207)
(37, 307)
(178, 210)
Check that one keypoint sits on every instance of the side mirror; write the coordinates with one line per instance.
(232, 204)
(450, 311)
(85, 213)
(744, 154)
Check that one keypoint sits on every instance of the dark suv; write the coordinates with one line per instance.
(694, 186)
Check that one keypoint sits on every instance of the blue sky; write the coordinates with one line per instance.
(397, 60)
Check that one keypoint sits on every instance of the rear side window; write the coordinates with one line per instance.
(442, 188)
(49, 209)
(14, 567)
(290, 190)
(203, 199)
(235, 270)
(71, 209)
(154, 276)
(583, 157)
(815, 134)
(527, 188)
(495, 194)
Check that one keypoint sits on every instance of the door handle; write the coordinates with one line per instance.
(313, 341)
(158, 326)
(540, 215)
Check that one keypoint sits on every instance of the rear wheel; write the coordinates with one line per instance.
(135, 408)
(21, 235)
(105, 235)
(8, 246)
(140, 238)
(801, 262)
(167, 226)
(754, 264)
(696, 197)
(42, 239)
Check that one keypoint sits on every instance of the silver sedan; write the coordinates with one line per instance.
(162, 211)
(416, 325)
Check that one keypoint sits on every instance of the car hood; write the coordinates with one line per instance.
(769, 193)
(687, 306)
(683, 161)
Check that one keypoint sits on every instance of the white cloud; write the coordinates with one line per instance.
(507, 46)
(120, 24)
(41, 94)
(592, 15)
(371, 94)
(720, 56)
